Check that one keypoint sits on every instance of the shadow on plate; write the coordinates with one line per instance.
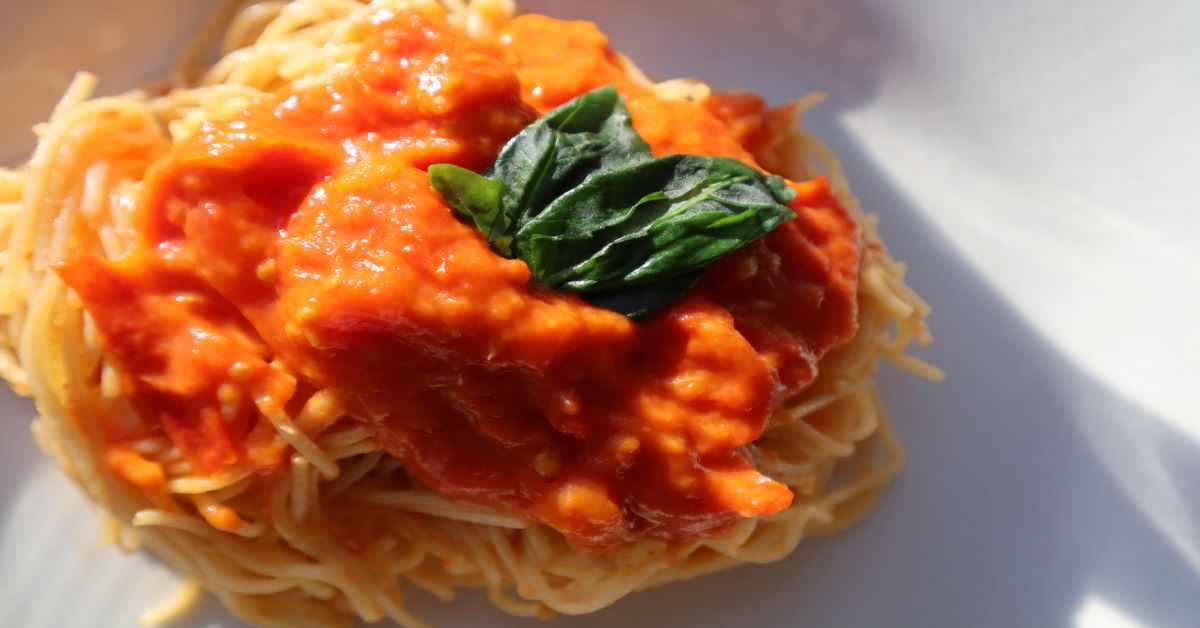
(18, 454)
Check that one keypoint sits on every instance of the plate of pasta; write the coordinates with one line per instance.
(467, 312)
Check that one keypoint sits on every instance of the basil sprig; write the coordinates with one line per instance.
(578, 197)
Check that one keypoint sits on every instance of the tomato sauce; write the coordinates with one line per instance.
(304, 230)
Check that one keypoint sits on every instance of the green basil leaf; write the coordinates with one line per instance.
(585, 136)
(642, 302)
(650, 222)
(578, 197)
(478, 199)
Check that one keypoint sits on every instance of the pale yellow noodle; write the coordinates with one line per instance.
(181, 600)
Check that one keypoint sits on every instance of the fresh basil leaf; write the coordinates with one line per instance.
(478, 199)
(578, 197)
(642, 302)
(650, 222)
(585, 136)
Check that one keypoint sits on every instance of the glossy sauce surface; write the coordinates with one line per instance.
(304, 231)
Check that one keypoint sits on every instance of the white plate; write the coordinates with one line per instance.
(1037, 165)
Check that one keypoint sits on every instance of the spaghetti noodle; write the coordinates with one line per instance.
(272, 546)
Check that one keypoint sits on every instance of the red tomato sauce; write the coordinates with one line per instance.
(304, 230)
